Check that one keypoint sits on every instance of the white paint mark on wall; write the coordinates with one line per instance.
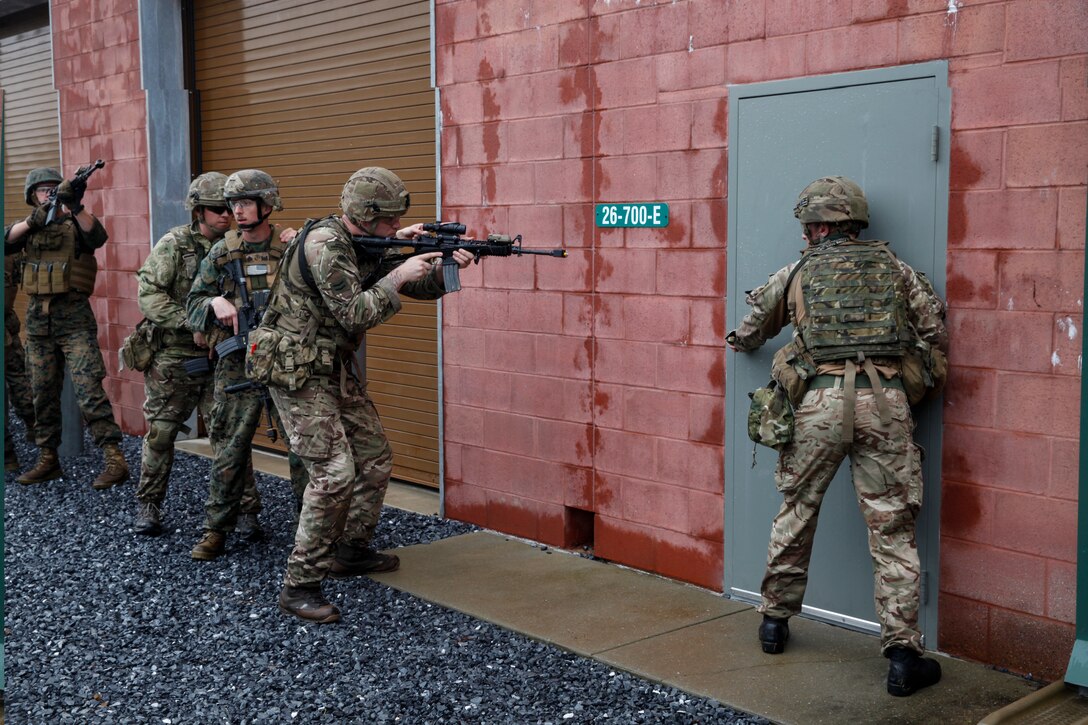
(1011, 305)
(1055, 361)
(691, 43)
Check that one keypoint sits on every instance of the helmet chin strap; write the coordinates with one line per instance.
(261, 217)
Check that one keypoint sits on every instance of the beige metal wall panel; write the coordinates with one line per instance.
(311, 92)
(31, 130)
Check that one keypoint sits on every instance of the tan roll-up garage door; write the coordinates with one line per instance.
(311, 92)
(31, 130)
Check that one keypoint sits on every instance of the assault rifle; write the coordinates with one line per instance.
(83, 173)
(266, 402)
(249, 315)
(446, 237)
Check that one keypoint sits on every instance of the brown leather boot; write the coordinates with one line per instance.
(308, 603)
(46, 469)
(211, 546)
(115, 468)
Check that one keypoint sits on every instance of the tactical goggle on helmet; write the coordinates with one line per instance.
(36, 177)
(252, 184)
(206, 190)
(372, 193)
(832, 199)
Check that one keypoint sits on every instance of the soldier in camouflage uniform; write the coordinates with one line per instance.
(16, 381)
(58, 277)
(325, 299)
(213, 308)
(853, 405)
(171, 393)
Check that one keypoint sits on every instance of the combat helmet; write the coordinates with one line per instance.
(374, 192)
(43, 175)
(252, 184)
(206, 190)
(832, 199)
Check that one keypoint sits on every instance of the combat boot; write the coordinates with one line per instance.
(148, 520)
(360, 560)
(773, 633)
(249, 528)
(308, 603)
(211, 546)
(910, 672)
(46, 469)
(115, 468)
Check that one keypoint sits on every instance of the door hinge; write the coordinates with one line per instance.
(923, 587)
(934, 143)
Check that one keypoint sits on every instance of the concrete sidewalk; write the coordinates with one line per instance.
(690, 638)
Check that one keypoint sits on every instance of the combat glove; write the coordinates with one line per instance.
(70, 193)
(36, 220)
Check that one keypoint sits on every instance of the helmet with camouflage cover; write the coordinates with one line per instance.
(43, 175)
(832, 199)
(206, 190)
(374, 192)
(252, 184)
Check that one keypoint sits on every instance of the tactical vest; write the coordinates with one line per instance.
(54, 262)
(297, 310)
(259, 268)
(855, 301)
(189, 251)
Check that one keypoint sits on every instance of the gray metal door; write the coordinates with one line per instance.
(888, 130)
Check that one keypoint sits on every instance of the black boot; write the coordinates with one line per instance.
(773, 633)
(308, 603)
(148, 520)
(360, 560)
(910, 672)
(249, 528)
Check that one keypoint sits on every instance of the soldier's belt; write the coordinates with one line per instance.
(836, 381)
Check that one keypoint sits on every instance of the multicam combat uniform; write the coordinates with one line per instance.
(58, 277)
(171, 394)
(16, 381)
(235, 416)
(886, 463)
(331, 422)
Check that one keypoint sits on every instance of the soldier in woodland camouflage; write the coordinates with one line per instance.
(58, 277)
(170, 392)
(212, 308)
(18, 395)
(325, 299)
(856, 311)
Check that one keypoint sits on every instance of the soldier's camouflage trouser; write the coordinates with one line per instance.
(46, 357)
(17, 392)
(170, 396)
(887, 475)
(233, 420)
(349, 461)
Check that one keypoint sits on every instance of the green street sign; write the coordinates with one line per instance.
(654, 214)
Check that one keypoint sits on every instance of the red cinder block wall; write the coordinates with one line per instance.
(96, 68)
(584, 397)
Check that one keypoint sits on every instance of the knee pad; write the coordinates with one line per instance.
(161, 435)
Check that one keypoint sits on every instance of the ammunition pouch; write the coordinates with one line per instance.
(139, 348)
(233, 344)
(283, 361)
(770, 416)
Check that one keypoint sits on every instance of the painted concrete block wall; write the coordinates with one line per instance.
(96, 59)
(596, 384)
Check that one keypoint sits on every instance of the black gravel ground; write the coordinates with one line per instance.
(105, 626)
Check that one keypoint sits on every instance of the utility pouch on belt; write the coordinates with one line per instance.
(279, 360)
(792, 368)
(770, 416)
(138, 349)
(925, 371)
